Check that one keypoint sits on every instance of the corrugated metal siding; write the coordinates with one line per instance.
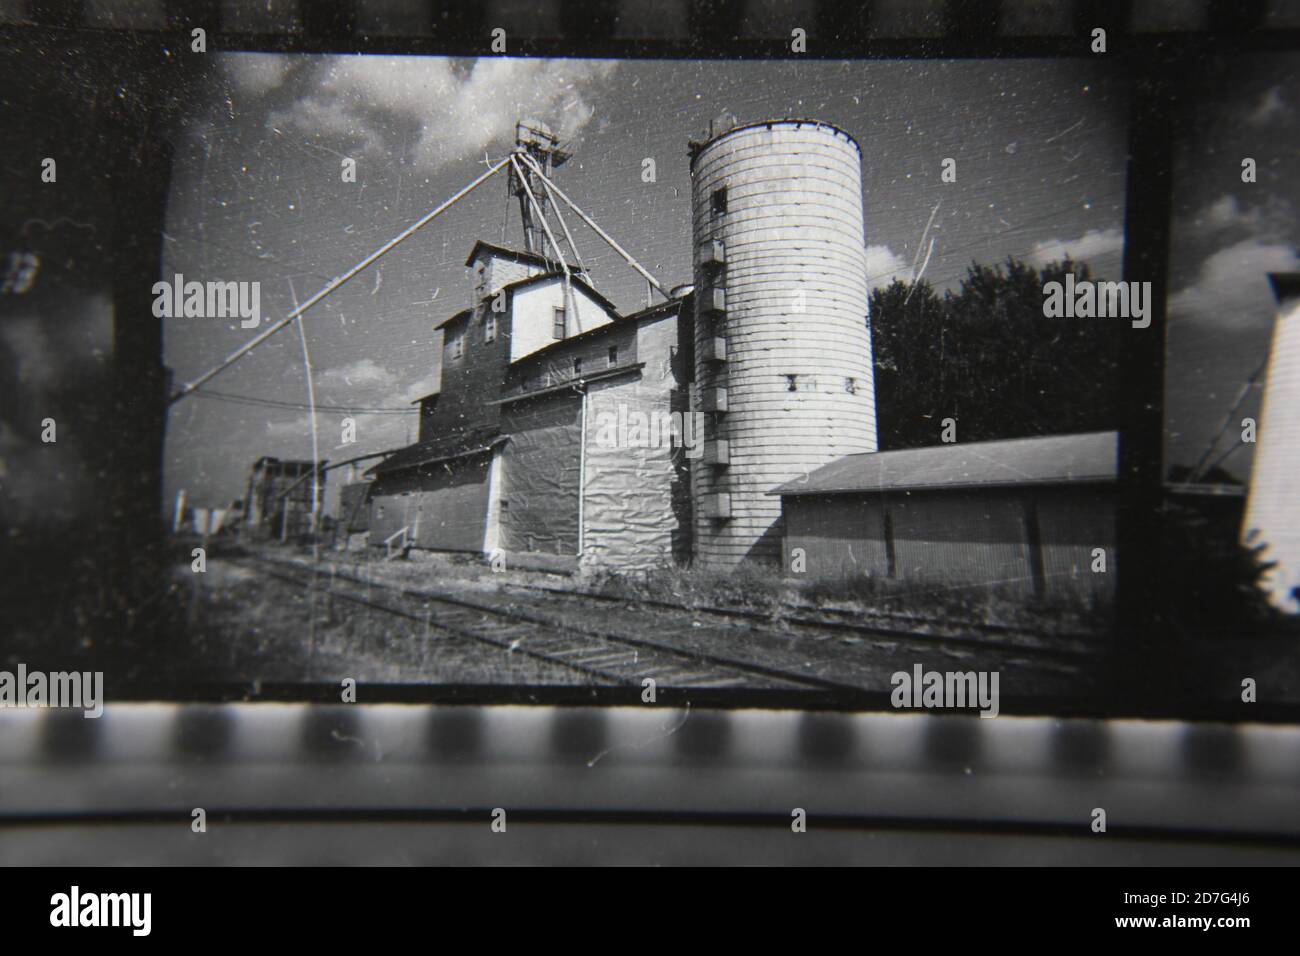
(1273, 507)
(634, 496)
(540, 475)
(793, 227)
(1072, 522)
(354, 507)
(390, 511)
(840, 537)
(963, 539)
(445, 507)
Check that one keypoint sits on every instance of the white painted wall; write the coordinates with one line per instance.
(533, 312)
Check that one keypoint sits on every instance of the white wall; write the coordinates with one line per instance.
(532, 316)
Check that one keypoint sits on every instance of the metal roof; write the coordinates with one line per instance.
(475, 442)
(1050, 459)
(517, 255)
(695, 147)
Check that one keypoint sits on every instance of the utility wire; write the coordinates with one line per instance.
(299, 406)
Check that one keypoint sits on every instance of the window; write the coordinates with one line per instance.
(577, 365)
(489, 326)
(557, 329)
(458, 344)
(613, 355)
(719, 201)
(851, 386)
(792, 383)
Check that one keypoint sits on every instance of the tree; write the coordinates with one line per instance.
(988, 357)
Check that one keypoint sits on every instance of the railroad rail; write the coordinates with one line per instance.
(615, 658)
(879, 623)
(621, 658)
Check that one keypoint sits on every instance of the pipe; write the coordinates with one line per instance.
(600, 232)
(570, 307)
(329, 287)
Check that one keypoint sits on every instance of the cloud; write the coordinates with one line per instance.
(364, 384)
(291, 438)
(1231, 291)
(425, 386)
(1226, 212)
(255, 74)
(458, 110)
(1091, 245)
(884, 266)
(365, 373)
(1270, 108)
(1270, 222)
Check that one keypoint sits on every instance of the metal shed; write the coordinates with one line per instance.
(1024, 515)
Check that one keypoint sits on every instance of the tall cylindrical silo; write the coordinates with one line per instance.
(1272, 506)
(783, 350)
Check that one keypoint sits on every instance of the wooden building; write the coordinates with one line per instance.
(279, 498)
(1027, 516)
(506, 458)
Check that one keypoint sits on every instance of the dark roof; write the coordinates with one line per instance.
(285, 464)
(459, 315)
(518, 255)
(1050, 459)
(447, 448)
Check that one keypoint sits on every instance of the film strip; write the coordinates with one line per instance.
(1170, 791)
(1221, 788)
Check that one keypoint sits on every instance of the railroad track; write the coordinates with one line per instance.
(617, 659)
(878, 624)
(596, 652)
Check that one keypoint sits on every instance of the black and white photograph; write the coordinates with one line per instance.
(653, 432)
(725, 403)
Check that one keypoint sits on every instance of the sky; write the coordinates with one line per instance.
(1227, 236)
(258, 195)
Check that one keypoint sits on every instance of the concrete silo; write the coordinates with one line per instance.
(1272, 506)
(783, 350)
